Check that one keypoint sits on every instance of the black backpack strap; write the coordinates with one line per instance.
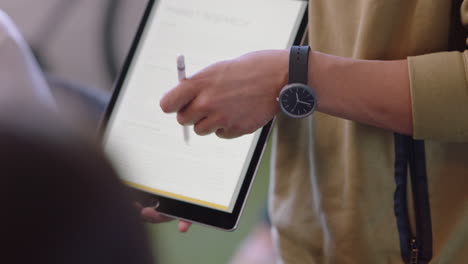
(402, 156)
(411, 153)
(420, 189)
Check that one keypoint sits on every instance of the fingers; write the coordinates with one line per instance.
(226, 134)
(178, 97)
(184, 226)
(194, 112)
(207, 126)
(200, 113)
(222, 127)
(150, 215)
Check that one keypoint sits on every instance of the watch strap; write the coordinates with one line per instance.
(298, 64)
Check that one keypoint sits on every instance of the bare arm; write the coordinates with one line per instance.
(236, 97)
(375, 93)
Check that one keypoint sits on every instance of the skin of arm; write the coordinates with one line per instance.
(236, 97)
(375, 93)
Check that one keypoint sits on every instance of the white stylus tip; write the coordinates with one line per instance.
(181, 62)
(186, 135)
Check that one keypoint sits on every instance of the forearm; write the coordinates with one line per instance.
(375, 93)
(236, 97)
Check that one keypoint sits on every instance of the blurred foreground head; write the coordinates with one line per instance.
(61, 201)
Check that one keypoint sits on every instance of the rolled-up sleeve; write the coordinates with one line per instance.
(439, 94)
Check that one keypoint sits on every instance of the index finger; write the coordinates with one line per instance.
(151, 215)
(178, 97)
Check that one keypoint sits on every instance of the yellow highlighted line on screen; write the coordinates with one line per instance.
(176, 196)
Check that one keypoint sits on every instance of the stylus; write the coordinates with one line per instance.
(181, 75)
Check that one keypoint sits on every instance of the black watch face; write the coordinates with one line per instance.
(297, 100)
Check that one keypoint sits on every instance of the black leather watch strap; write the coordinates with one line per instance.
(298, 64)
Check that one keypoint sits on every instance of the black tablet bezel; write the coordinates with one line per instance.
(180, 209)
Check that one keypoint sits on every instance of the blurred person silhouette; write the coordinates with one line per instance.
(22, 80)
(61, 200)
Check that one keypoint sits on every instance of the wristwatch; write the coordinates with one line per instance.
(297, 99)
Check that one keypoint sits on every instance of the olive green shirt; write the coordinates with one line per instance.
(333, 180)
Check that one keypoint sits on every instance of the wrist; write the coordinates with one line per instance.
(319, 68)
(281, 73)
(298, 99)
(283, 69)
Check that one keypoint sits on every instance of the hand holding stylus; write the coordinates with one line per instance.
(233, 97)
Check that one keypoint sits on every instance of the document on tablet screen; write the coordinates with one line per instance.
(148, 145)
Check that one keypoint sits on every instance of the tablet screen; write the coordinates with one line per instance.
(147, 145)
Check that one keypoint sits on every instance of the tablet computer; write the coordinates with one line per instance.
(206, 179)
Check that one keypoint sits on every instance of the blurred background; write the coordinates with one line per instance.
(82, 43)
(79, 40)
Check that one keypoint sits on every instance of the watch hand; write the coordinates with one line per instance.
(295, 106)
(304, 103)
